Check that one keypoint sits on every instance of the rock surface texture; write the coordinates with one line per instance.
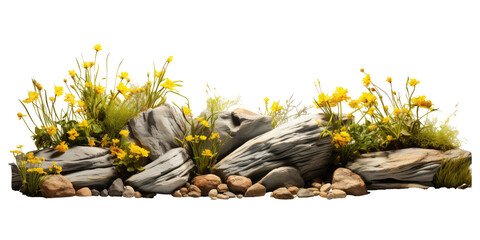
(242, 126)
(282, 177)
(98, 178)
(156, 129)
(57, 186)
(165, 174)
(296, 143)
(409, 165)
(206, 183)
(349, 182)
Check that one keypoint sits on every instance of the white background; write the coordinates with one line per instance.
(256, 49)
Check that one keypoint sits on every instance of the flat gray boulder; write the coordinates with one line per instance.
(282, 177)
(76, 158)
(165, 174)
(98, 178)
(296, 143)
(156, 129)
(241, 126)
(409, 165)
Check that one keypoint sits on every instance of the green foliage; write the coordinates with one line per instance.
(217, 103)
(117, 117)
(443, 137)
(453, 173)
(283, 113)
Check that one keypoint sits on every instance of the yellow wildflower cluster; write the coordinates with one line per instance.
(83, 124)
(137, 151)
(62, 147)
(20, 116)
(70, 98)
(368, 99)
(413, 82)
(337, 97)
(341, 139)
(367, 80)
(275, 107)
(169, 84)
(32, 96)
(87, 65)
(187, 111)
(421, 102)
(124, 133)
(207, 153)
(54, 168)
(37, 170)
(73, 134)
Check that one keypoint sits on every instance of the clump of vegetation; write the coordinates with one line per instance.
(453, 173)
(217, 103)
(92, 110)
(283, 113)
(386, 120)
(31, 171)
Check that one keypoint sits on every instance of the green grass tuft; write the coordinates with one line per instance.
(453, 173)
(444, 137)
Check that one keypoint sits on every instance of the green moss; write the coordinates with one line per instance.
(444, 137)
(453, 173)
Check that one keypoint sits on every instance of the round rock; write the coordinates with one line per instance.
(238, 184)
(129, 192)
(206, 182)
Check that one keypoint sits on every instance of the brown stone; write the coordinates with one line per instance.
(222, 196)
(312, 189)
(282, 193)
(206, 182)
(323, 194)
(316, 185)
(194, 188)
(238, 184)
(337, 193)
(57, 186)
(194, 194)
(222, 188)
(316, 193)
(177, 194)
(84, 192)
(293, 190)
(245, 111)
(326, 187)
(137, 195)
(183, 190)
(256, 190)
(239, 196)
(349, 182)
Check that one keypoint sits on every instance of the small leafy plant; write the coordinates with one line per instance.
(31, 171)
(281, 114)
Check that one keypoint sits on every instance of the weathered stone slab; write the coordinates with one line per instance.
(98, 178)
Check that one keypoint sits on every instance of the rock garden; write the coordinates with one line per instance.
(113, 137)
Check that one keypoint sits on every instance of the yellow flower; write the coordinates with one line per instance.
(16, 151)
(340, 94)
(199, 119)
(385, 119)
(70, 98)
(104, 140)
(275, 107)
(370, 111)
(187, 111)
(157, 74)
(124, 133)
(138, 150)
(266, 100)
(19, 146)
(88, 64)
(213, 136)
(341, 139)
(91, 142)
(51, 99)
(397, 111)
(361, 70)
(58, 91)
(62, 147)
(73, 134)
(205, 123)
(386, 108)
(189, 138)
(32, 96)
(88, 84)
(389, 79)
(81, 103)
(367, 80)
(97, 47)
(372, 127)
(72, 73)
(123, 75)
(51, 130)
(355, 104)
(38, 86)
(389, 138)
(323, 100)
(207, 153)
(349, 115)
(170, 59)
(368, 99)
(115, 141)
(421, 102)
(169, 84)
(203, 138)
(123, 89)
(99, 89)
(83, 124)
(20, 116)
(405, 110)
(413, 82)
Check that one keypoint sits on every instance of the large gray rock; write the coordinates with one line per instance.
(296, 143)
(164, 174)
(76, 158)
(409, 165)
(98, 178)
(156, 129)
(282, 177)
(241, 126)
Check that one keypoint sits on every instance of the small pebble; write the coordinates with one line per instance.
(214, 198)
(177, 194)
(239, 196)
(230, 194)
(316, 185)
(222, 196)
(194, 188)
(323, 194)
(149, 195)
(316, 193)
(95, 192)
(222, 188)
(326, 187)
(194, 194)
(312, 189)
(104, 193)
(183, 190)
(293, 190)
(213, 193)
(137, 195)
